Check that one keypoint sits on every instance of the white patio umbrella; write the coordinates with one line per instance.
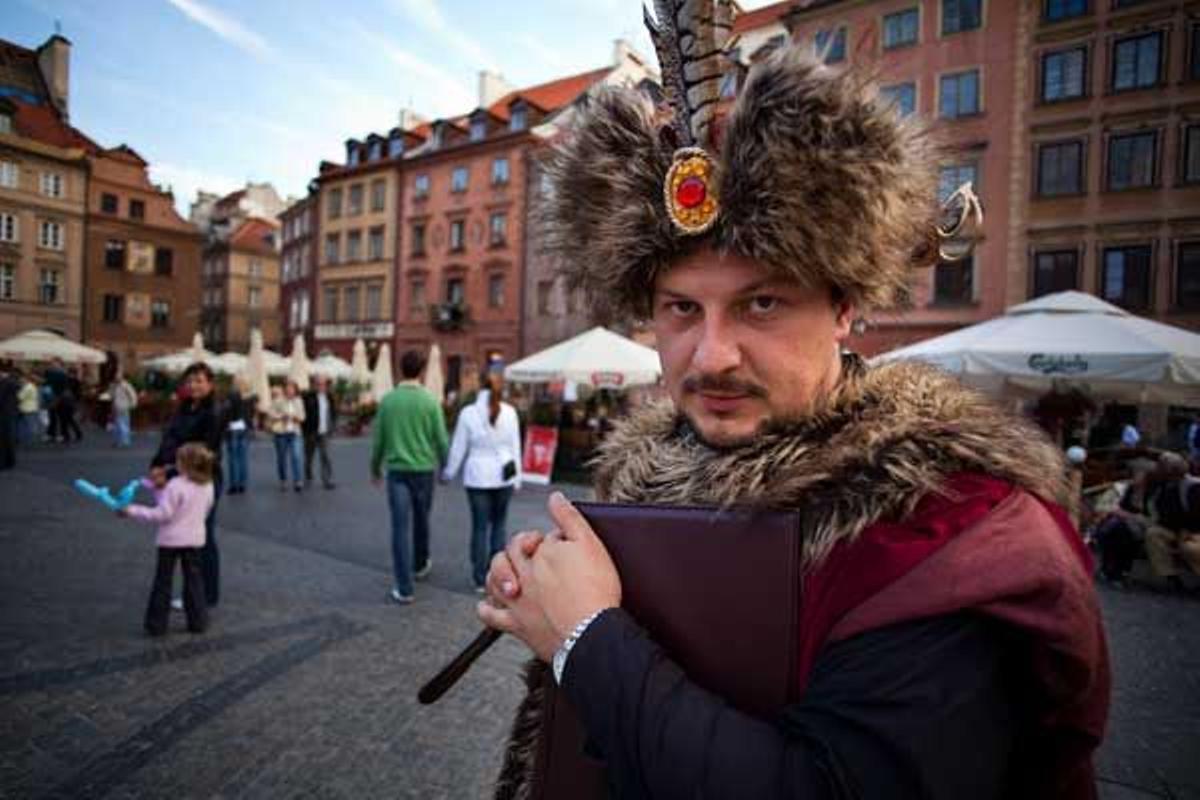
(277, 366)
(331, 366)
(1070, 339)
(360, 369)
(598, 357)
(434, 381)
(230, 363)
(197, 351)
(256, 372)
(299, 363)
(171, 363)
(39, 345)
(381, 379)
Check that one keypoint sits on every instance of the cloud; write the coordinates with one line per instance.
(185, 181)
(225, 27)
(548, 55)
(428, 15)
(447, 94)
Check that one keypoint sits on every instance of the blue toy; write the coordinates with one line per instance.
(102, 493)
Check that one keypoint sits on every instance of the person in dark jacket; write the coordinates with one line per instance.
(320, 420)
(197, 419)
(10, 386)
(239, 421)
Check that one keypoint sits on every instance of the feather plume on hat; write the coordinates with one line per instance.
(812, 174)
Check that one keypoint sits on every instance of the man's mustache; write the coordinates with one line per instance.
(723, 384)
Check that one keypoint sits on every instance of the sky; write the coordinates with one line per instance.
(214, 93)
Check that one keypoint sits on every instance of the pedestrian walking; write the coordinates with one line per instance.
(198, 419)
(410, 442)
(10, 387)
(124, 400)
(320, 420)
(180, 512)
(239, 420)
(286, 418)
(46, 420)
(27, 409)
(487, 445)
(68, 409)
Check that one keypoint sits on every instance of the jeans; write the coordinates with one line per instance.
(315, 443)
(235, 446)
(27, 427)
(287, 451)
(158, 609)
(410, 495)
(489, 511)
(121, 429)
(210, 557)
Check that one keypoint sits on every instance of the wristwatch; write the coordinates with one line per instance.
(559, 662)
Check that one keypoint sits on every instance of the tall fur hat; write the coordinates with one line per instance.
(813, 173)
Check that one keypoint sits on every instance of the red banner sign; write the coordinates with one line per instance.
(537, 461)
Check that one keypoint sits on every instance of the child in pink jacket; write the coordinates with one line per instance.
(182, 506)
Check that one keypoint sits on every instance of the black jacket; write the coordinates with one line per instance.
(238, 407)
(312, 414)
(192, 422)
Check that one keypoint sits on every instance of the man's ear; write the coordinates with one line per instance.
(844, 319)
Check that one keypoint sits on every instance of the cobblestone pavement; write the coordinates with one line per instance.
(305, 684)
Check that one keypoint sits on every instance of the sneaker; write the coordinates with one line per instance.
(299, 487)
(480, 590)
(423, 573)
(400, 599)
(177, 603)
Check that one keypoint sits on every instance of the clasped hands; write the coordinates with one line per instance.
(543, 585)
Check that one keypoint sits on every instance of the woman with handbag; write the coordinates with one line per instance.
(487, 445)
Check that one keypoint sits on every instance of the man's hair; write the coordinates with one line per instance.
(411, 364)
(199, 367)
(1173, 464)
(196, 462)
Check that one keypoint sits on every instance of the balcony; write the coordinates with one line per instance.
(449, 316)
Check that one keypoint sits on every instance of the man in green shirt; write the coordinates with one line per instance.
(410, 442)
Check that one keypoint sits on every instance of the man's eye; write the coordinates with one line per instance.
(763, 304)
(682, 308)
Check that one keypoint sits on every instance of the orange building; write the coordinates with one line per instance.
(241, 287)
(143, 262)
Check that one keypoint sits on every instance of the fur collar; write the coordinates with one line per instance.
(884, 438)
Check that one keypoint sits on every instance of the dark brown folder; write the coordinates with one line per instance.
(719, 591)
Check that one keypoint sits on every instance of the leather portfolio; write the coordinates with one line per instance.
(718, 590)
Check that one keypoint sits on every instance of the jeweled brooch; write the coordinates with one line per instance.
(690, 191)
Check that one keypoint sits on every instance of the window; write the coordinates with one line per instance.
(418, 240)
(164, 258)
(1126, 276)
(1187, 276)
(8, 228)
(354, 246)
(108, 203)
(160, 314)
(1064, 74)
(416, 295)
(456, 291)
(959, 94)
(333, 204)
(396, 146)
(303, 308)
(478, 129)
(378, 195)
(49, 287)
(458, 179)
(902, 95)
(1065, 9)
(953, 282)
(499, 171)
(961, 15)
(901, 28)
(496, 291)
(458, 235)
(375, 243)
(255, 269)
(544, 288)
(1060, 169)
(10, 174)
(332, 246)
(50, 235)
(375, 151)
(294, 313)
(1191, 154)
(1194, 53)
(112, 307)
(355, 200)
(953, 176)
(1131, 160)
(1055, 271)
(8, 282)
(1137, 62)
(498, 227)
(421, 186)
(52, 184)
(137, 209)
(114, 254)
(254, 296)
(374, 302)
(350, 303)
(331, 304)
(831, 45)
(5, 123)
(519, 118)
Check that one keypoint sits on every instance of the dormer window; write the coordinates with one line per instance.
(519, 118)
(435, 136)
(478, 128)
(352, 154)
(376, 152)
(396, 146)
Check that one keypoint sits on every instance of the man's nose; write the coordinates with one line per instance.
(718, 349)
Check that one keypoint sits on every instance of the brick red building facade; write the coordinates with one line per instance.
(298, 272)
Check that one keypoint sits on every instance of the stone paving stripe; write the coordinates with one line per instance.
(110, 770)
(42, 680)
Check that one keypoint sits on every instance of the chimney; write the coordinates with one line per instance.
(492, 87)
(54, 61)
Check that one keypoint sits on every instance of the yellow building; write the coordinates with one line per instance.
(240, 280)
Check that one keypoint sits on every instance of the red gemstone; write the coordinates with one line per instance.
(691, 192)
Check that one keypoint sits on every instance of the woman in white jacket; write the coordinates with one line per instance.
(487, 437)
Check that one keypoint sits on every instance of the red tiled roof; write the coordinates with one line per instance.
(42, 123)
(550, 96)
(252, 235)
(761, 17)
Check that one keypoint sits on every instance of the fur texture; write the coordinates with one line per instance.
(886, 437)
(818, 177)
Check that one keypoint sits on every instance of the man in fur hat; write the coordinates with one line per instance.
(951, 644)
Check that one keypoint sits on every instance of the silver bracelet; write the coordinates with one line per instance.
(559, 662)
